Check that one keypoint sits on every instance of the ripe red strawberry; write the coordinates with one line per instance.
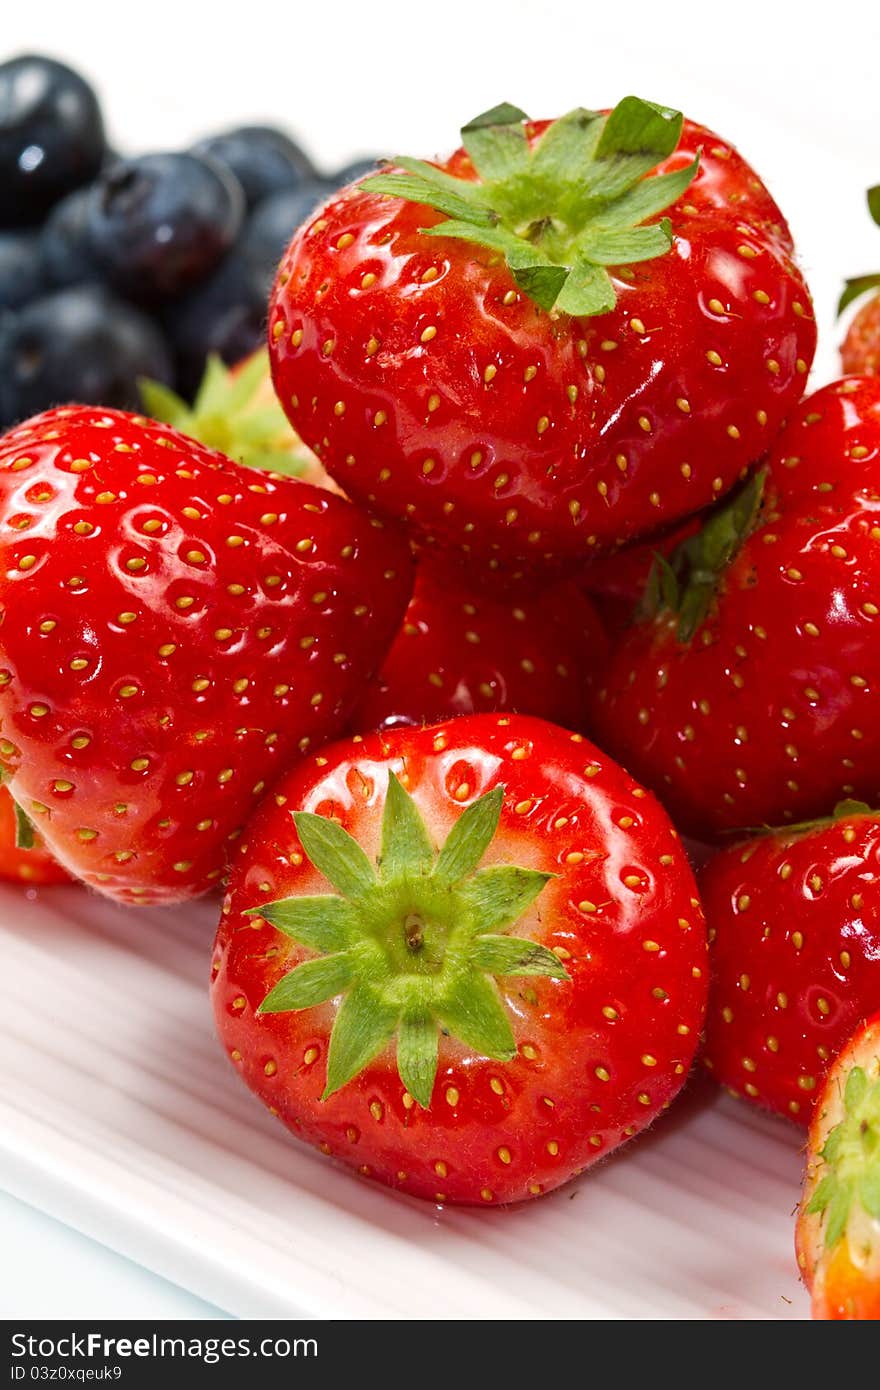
(794, 927)
(23, 856)
(860, 351)
(838, 1225)
(753, 696)
(176, 629)
(449, 342)
(464, 651)
(371, 1021)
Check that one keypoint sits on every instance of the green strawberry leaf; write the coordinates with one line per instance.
(587, 291)
(567, 148)
(498, 896)
(512, 955)
(637, 127)
(837, 1212)
(311, 983)
(473, 1012)
(470, 837)
(855, 288)
(335, 854)
(322, 924)
(496, 143)
(649, 197)
(422, 187)
(542, 283)
(363, 1027)
(869, 1191)
(856, 1088)
(406, 848)
(417, 1055)
(628, 245)
(161, 403)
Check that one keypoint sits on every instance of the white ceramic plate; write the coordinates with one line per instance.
(120, 1115)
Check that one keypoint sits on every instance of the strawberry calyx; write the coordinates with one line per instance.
(851, 1156)
(412, 943)
(562, 208)
(686, 581)
(856, 287)
(235, 411)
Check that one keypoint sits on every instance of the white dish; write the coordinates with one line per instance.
(120, 1116)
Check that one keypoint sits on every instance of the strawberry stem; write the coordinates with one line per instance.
(562, 208)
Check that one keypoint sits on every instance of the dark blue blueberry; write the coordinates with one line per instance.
(263, 160)
(355, 170)
(21, 271)
(225, 314)
(161, 222)
(51, 137)
(77, 345)
(273, 222)
(65, 244)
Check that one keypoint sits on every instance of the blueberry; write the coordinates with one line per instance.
(225, 314)
(355, 170)
(77, 345)
(264, 160)
(51, 137)
(272, 224)
(65, 245)
(21, 271)
(160, 222)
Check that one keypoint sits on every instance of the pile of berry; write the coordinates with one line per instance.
(117, 268)
(461, 948)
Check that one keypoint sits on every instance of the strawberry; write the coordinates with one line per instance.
(860, 350)
(468, 960)
(236, 411)
(448, 340)
(752, 696)
(23, 856)
(794, 927)
(176, 629)
(463, 651)
(838, 1224)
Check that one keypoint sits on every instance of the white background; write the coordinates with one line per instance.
(795, 89)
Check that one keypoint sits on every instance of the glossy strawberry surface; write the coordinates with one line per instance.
(34, 865)
(462, 650)
(794, 927)
(838, 1223)
(176, 630)
(595, 1056)
(433, 388)
(769, 711)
